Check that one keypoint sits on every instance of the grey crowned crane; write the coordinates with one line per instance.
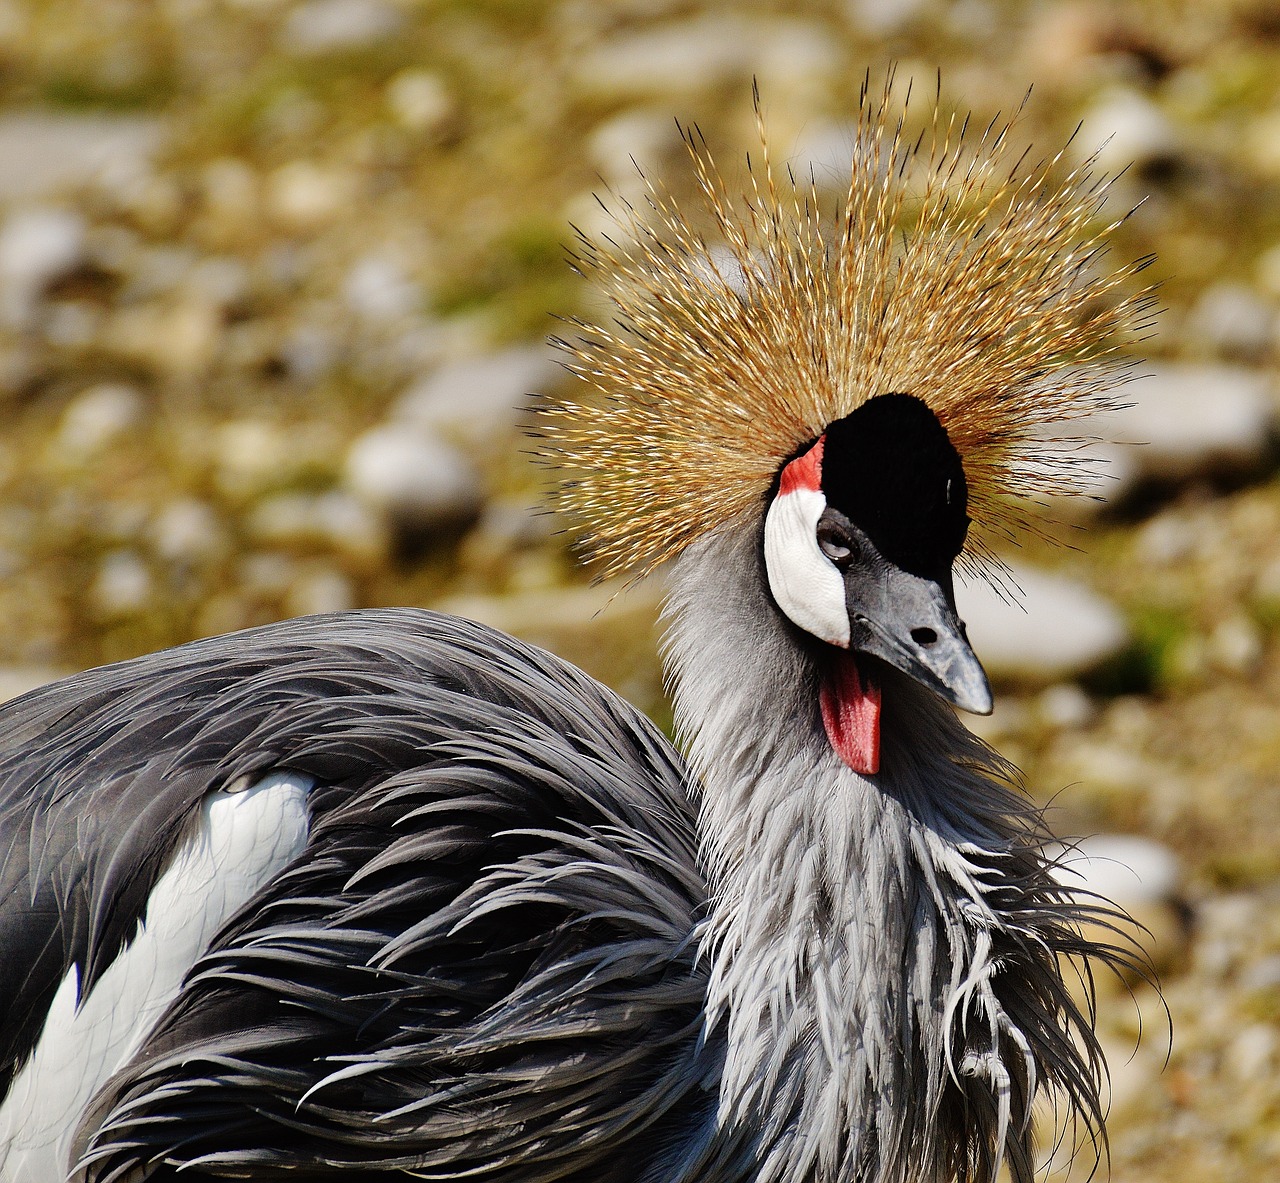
(387, 894)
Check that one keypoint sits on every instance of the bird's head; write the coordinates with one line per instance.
(859, 540)
(851, 391)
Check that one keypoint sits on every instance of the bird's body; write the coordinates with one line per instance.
(387, 894)
(494, 873)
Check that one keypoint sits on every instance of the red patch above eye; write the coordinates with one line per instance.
(804, 472)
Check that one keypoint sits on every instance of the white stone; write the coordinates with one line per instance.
(19, 679)
(221, 280)
(335, 519)
(47, 153)
(477, 402)
(1056, 629)
(1236, 645)
(323, 26)
(420, 483)
(1144, 878)
(1126, 128)
(880, 18)
(1234, 320)
(37, 247)
(97, 418)
(420, 100)
(1066, 706)
(662, 61)
(635, 138)
(321, 590)
(189, 532)
(308, 352)
(122, 586)
(1102, 472)
(824, 152)
(1126, 868)
(1194, 420)
(252, 455)
(1168, 539)
(378, 289)
(305, 196)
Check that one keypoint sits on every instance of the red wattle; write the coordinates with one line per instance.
(850, 702)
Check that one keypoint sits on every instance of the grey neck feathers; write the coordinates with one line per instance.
(883, 951)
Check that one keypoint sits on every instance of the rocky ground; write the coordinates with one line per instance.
(275, 278)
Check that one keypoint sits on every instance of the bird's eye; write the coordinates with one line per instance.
(836, 545)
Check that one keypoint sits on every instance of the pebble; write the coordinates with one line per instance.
(476, 402)
(377, 289)
(255, 456)
(1141, 876)
(321, 590)
(824, 151)
(37, 247)
(302, 195)
(97, 418)
(1103, 473)
(46, 153)
(333, 520)
(1194, 420)
(1066, 707)
(419, 483)
(1234, 321)
(1127, 130)
(178, 338)
(308, 352)
(1236, 645)
(122, 586)
(19, 679)
(637, 138)
(326, 26)
(219, 280)
(266, 573)
(188, 532)
(420, 100)
(1055, 630)
(677, 59)
(882, 18)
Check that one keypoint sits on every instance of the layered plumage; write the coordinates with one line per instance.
(390, 895)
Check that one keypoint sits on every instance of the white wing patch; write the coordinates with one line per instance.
(242, 840)
(803, 580)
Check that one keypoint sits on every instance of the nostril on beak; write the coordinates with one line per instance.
(923, 636)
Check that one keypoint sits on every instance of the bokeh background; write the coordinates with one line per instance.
(276, 276)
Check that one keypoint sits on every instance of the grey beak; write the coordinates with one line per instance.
(910, 622)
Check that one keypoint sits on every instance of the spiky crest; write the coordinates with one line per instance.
(957, 271)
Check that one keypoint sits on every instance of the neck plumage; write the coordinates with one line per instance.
(883, 950)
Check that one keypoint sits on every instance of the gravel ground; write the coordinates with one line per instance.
(247, 245)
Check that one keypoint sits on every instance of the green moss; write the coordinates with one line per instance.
(1147, 663)
(152, 89)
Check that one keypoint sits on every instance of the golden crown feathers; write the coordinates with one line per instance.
(959, 270)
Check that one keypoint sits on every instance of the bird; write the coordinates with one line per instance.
(387, 894)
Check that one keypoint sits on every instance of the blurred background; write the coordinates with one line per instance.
(276, 277)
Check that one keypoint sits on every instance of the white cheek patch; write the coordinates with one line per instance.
(803, 580)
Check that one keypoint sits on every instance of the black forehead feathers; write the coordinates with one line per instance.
(891, 469)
